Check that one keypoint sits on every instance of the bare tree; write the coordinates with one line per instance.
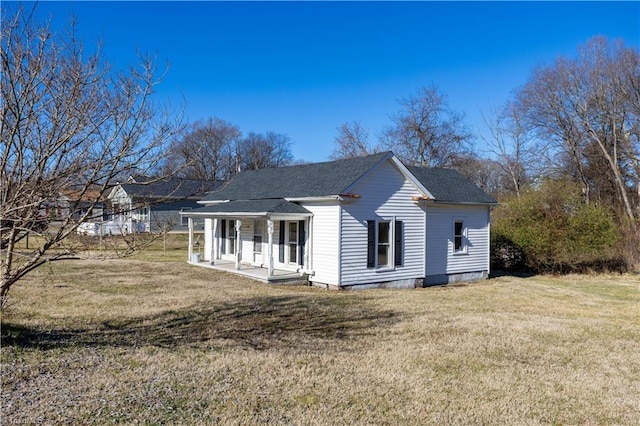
(258, 151)
(588, 107)
(206, 150)
(352, 141)
(484, 172)
(426, 132)
(69, 125)
(520, 158)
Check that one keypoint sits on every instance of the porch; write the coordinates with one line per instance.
(278, 277)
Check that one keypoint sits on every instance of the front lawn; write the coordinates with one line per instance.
(141, 341)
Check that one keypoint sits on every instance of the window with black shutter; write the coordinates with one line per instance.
(301, 241)
(384, 243)
(281, 235)
(371, 244)
(398, 237)
(223, 236)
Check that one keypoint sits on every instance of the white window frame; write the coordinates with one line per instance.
(389, 244)
(289, 243)
(258, 256)
(464, 246)
(231, 240)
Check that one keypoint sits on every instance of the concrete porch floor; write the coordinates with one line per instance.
(257, 273)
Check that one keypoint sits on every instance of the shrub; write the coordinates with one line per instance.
(555, 230)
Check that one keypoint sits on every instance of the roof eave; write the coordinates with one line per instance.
(244, 214)
(469, 203)
(315, 198)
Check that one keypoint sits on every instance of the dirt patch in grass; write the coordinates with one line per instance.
(135, 341)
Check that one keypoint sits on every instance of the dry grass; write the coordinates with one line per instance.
(135, 341)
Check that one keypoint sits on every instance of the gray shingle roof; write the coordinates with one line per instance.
(171, 188)
(272, 206)
(335, 177)
(306, 180)
(448, 185)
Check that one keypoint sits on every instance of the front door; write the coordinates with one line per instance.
(291, 242)
(227, 237)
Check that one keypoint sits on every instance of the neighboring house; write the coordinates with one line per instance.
(152, 206)
(80, 203)
(74, 204)
(352, 223)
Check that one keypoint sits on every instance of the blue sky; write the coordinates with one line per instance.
(304, 68)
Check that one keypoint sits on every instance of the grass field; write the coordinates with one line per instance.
(138, 341)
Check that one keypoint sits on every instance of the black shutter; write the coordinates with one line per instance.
(371, 244)
(398, 243)
(223, 235)
(301, 241)
(281, 242)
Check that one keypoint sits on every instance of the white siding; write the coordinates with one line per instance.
(385, 194)
(246, 236)
(325, 241)
(440, 229)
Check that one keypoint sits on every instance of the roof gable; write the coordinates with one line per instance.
(306, 180)
(334, 178)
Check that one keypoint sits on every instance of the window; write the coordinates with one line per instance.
(257, 240)
(384, 246)
(459, 237)
(143, 214)
(293, 242)
(384, 243)
(231, 236)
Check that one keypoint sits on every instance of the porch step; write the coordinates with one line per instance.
(290, 280)
(280, 277)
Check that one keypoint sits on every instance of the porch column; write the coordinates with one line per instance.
(214, 238)
(238, 243)
(190, 249)
(270, 246)
(308, 254)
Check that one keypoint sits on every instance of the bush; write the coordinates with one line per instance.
(505, 254)
(555, 230)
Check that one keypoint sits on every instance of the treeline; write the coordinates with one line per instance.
(215, 149)
(562, 156)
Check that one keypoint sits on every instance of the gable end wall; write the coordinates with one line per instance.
(385, 194)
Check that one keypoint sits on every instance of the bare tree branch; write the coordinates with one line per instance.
(71, 126)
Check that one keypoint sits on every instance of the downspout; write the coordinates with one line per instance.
(309, 243)
(488, 241)
(339, 283)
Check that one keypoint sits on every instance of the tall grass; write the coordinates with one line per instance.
(138, 341)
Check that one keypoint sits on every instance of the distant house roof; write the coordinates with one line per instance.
(305, 180)
(171, 188)
(447, 185)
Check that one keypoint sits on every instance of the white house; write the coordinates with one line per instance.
(146, 205)
(352, 223)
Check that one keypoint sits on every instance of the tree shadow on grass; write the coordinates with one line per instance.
(258, 323)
